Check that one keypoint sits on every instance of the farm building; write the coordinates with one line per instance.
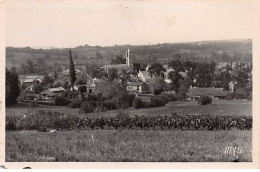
(28, 80)
(137, 87)
(89, 87)
(51, 92)
(215, 93)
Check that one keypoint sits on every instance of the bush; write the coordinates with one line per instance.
(204, 100)
(157, 91)
(61, 101)
(86, 107)
(137, 103)
(230, 96)
(157, 102)
(109, 105)
(74, 104)
(123, 100)
(33, 104)
(10, 123)
(99, 108)
(168, 98)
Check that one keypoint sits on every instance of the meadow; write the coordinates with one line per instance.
(133, 145)
(218, 107)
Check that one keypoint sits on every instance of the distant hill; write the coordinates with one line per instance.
(218, 51)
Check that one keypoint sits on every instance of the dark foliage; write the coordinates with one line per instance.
(33, 104)
(72, 72)
(137, 103)
(157, 91)
(204, 100)
(45, 120)
(157, 102)
(12, 90)
(109, 105)
(61, 101)
(74, 104)
(86, 107)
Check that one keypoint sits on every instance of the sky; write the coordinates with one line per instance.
(127, 22)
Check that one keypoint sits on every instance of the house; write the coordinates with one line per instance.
(119, 67)
(67, 72)
(28, 80)
(51, 92)
(144, 76)
(136, 87)
(215, 93)
(90, 87)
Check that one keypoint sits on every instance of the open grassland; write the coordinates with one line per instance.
(219, 107)
(141, 146)
(133, 145)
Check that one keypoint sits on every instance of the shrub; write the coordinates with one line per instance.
(110, 105)
(172, 98)
(168, 98)
(241, 93)
(61, 101)
(99, 108)
(123, 100)
(10, 123)
(74, 104)
(86, 107)
(157, 102)
(230, 96)
(33, 104)
(204, 100)
(157, 91)
(137, 103)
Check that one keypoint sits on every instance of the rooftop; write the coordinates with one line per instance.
(145, 74)
(134, 83)
(67, 72)
(114, 66)
(195, 91)
(56, 89)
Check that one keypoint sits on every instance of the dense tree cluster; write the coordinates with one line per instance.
(12, 90)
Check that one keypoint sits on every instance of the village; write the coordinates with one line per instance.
(130, 82)
(182, 81)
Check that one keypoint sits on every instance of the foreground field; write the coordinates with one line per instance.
(168, 146)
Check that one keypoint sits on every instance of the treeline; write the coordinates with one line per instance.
(166, 50)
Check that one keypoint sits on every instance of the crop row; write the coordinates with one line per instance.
(46, 121)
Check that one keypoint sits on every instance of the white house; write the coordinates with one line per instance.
(144, 76)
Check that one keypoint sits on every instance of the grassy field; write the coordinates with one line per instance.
(103, 146)
(139, 145)
(219, 107)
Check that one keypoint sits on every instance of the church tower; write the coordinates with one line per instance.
(129, 59)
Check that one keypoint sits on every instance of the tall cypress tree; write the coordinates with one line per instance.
(72, 74)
